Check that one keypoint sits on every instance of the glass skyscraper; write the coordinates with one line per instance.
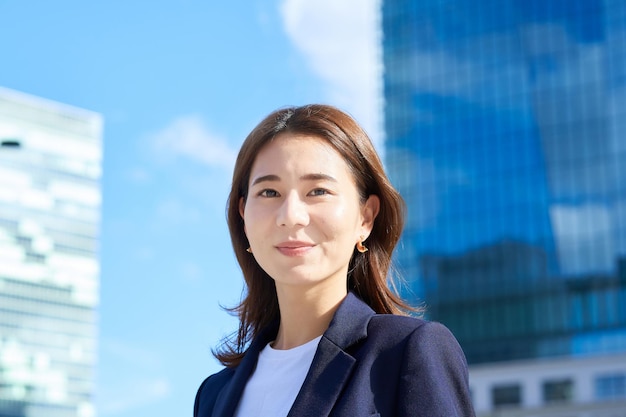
(505, 127)
(50, 168)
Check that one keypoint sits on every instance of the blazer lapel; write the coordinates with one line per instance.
(332, 365)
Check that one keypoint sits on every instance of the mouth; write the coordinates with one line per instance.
(294, 248)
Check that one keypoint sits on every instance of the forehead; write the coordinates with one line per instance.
(299, 152)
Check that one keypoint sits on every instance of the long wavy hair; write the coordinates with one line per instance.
(368, 272)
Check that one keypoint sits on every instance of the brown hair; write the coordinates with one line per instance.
(367, 276)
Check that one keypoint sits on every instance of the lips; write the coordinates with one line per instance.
(294, 248)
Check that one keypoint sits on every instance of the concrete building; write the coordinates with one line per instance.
(50, 169)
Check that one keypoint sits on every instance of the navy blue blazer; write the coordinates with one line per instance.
(366, 364)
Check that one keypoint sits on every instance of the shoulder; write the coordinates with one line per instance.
(209, 390)
(218, 379)
(425, 343)
(415, 334)
(406, 325)
(433, 376)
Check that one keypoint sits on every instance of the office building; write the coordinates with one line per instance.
(50, 168)
(505, 127)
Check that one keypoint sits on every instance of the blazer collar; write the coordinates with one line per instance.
(332, 365)
(349, 324)
(330, 369)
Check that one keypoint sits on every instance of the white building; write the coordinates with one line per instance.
(591, 386)
(50, 169)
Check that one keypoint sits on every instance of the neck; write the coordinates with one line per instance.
(305, 313)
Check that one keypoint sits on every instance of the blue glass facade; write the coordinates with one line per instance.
(505, 130)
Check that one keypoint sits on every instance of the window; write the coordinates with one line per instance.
(611, 386)
(555, 391)
(507, 395)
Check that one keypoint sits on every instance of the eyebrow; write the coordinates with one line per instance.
(306, 177)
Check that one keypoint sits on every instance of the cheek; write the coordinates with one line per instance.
(256, 220)
(341, 221)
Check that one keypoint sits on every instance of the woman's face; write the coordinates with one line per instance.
(303, 214)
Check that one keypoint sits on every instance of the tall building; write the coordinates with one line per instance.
(50, 167)
(505, 127)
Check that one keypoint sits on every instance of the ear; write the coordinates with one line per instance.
(369, 211)
(242, 206)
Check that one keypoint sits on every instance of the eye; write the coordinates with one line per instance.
(319, 191)
(268, 193)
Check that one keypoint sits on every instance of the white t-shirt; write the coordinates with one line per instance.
(276, 381)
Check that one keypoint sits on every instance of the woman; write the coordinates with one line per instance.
(314, 221)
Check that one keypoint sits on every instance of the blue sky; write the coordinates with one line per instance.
(179, 85)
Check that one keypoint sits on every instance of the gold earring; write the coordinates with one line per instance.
(249, 250)
(359, 245)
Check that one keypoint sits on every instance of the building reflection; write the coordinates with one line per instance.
(505, 131)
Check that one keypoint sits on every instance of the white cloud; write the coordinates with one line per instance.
(341, 42)
(188, 137)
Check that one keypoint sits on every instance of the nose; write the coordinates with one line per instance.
(292, 212)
